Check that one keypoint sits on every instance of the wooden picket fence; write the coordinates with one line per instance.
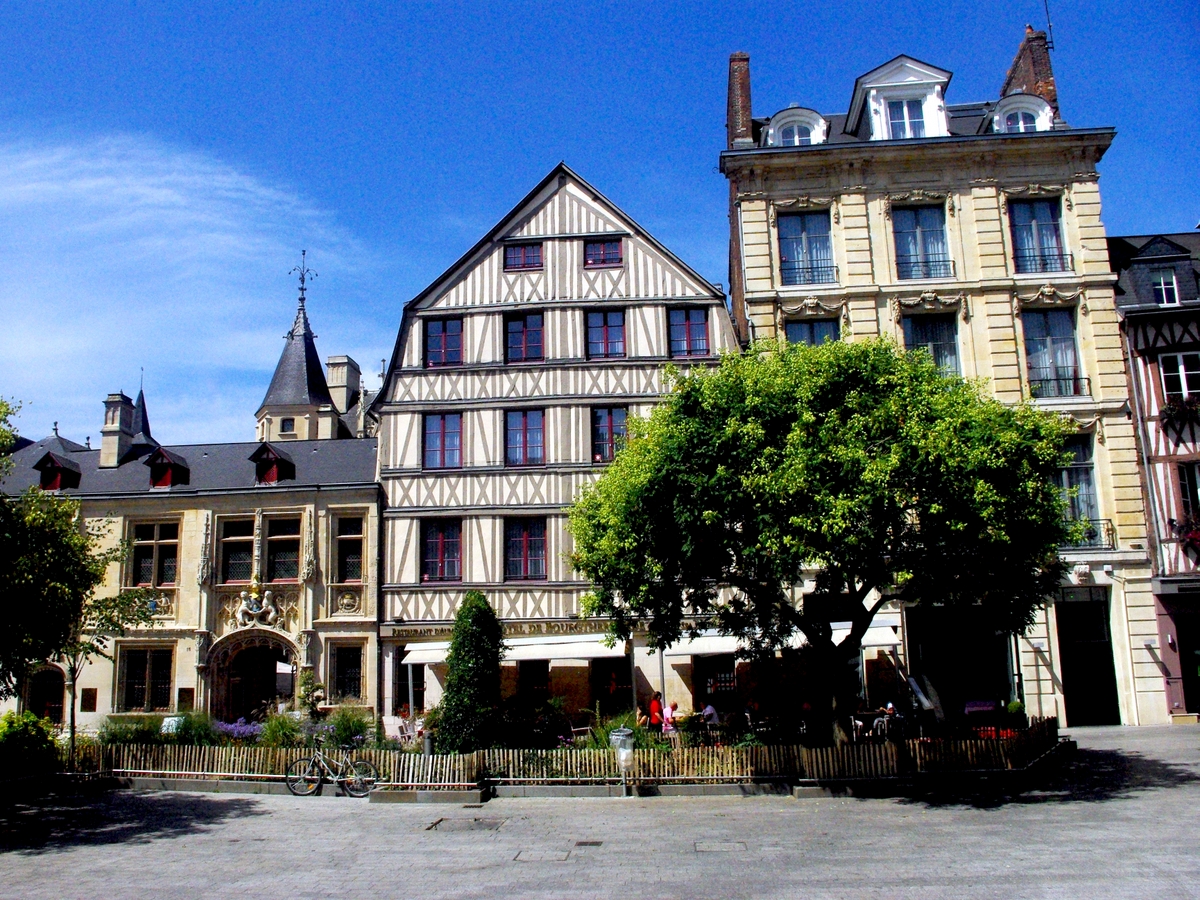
(403, 770)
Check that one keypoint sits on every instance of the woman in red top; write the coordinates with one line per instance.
(656, 713)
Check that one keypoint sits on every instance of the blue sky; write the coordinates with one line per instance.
(162, 165)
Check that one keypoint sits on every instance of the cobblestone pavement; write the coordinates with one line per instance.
(1122, 821)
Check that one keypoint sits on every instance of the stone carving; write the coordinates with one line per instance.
(916, 196)
(1048, 294)
(931, 300)
(253, 610)
(250, 608)
(1038, 190)
(204, 567)
(348, 602)
(814, 306)
(309, 566)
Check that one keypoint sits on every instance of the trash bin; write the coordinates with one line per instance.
(621, 740)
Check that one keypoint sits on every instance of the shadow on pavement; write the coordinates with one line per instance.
(1086, 776)
(68, 820)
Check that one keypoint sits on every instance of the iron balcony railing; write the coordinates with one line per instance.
(1032, 261)
(910, 267)
(1043, 384)
(1096, 534)
(798, 273)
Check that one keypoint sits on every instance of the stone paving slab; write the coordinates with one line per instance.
(1123, 821)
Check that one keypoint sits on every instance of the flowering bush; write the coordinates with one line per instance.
(240, 732)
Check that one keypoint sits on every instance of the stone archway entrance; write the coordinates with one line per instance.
(252, 672)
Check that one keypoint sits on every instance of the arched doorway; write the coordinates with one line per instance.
(46, 689)
(252, 673)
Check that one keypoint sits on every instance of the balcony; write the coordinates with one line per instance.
(1091, 534)
(1035, 261)
(909, 268)
(1046, 383)
(798, 273)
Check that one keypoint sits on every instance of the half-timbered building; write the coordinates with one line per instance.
(513, 377)
(1159, 303)
(971, 230)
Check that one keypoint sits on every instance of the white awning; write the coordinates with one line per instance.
(548, 646)
(428, 653)
(707, 643)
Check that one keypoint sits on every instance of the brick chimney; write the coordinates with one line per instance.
(737, 116)
(1030, 72)
(116, 437)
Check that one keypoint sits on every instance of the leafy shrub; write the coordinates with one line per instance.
(281, 730)
(196, 729)
(27, 745)
(471, 702)
(133, 730)
(643, 738)
(312, 694)
(537, 727)
(350, 726)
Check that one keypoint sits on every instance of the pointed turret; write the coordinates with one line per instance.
(142, 441)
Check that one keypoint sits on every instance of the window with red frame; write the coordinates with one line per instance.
(441, 558)
(606, 334)
(689, 331)
(443, 342)
(524, 338)
(522, 256)
(443, 440)
(523, 438)
(608, 432)
(601, 253)
(525, 549)
(155, 554)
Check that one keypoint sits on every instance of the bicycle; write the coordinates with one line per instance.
(356, 777)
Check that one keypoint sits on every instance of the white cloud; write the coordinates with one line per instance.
(121, 253)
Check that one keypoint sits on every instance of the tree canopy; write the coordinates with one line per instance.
(857, 465)
(470, 707)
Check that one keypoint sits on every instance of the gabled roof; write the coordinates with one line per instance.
(902, 69)
(299, 378)
(56, 461)
(163, 455)
(1159, 247)
(510, 220)
(268, 451)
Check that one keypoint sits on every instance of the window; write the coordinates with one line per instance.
(144, 680)
(805, 251)
(1077, 479)
(938, 335)
(812, 331)
(602, 253)
(606, 334)
(402, 688)
(1037, 236)
(795, 136)
(287, 426)
(522, 256)
(1050, 353)
(237, 550)
(443, 440)
(1189, 487)
(921, 250)
(155, 554)
(443, 342)
(688, 331)
(1016, 122)
(523, 444)
(608, 432)
(1180, 374)
(442, 557)
(524, 337)
(87, 699)
(349, 549)
(906, 119)
(1166, 290)
(346, 671)
(525, 549)
(283, 549)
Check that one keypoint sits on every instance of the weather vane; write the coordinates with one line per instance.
(304, 272)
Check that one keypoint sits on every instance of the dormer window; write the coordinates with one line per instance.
(1021, 114)
(272, 465)
(1019, 121)
(167, 469)
(57, 472)
(795, 136)
(906, 119)
(795, 127)
(1166, 290)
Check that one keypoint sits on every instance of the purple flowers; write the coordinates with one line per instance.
(240, 731)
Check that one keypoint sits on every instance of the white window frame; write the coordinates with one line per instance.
(1155, 284)
(1043, 115)
(795, 117)
(1183, 373)
(887, 112)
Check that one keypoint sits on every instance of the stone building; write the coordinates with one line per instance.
(1159, 301)
(972, 230)
(509, 389)
(263, 557)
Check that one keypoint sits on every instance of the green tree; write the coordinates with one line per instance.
(470, 707)
(858, 465)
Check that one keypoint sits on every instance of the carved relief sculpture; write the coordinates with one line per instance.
(204, 567)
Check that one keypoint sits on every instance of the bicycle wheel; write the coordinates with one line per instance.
(361, 778)
(303, 777)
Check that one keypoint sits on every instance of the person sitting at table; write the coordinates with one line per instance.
(710, 715)
(669, 717)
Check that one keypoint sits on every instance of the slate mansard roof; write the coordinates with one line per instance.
(1133, 257)
(213, 468)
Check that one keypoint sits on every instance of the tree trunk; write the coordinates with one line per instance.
(71, 729)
